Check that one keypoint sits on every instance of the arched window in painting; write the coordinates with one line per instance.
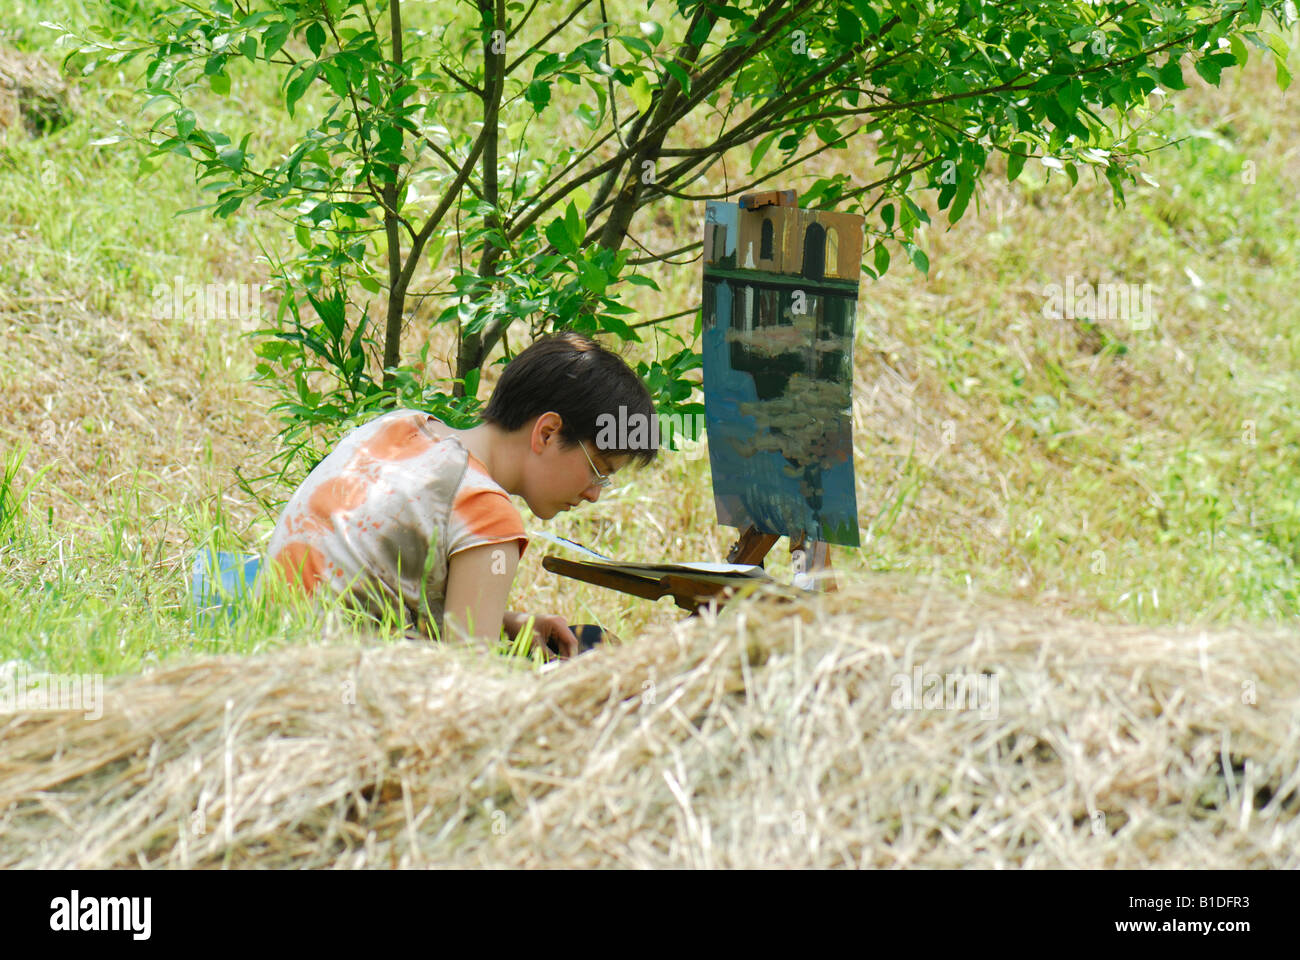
(832, 252)
(765, 240)
(769, 305)
(719, 242)
(814, 252)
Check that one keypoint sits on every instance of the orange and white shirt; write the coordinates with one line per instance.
(379, 518)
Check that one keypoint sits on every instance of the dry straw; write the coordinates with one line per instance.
(32, 93)
(775, 735)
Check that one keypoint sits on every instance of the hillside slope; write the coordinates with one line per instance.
(1144, 472)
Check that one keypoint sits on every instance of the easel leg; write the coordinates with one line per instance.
(812, 564)
(752, 547)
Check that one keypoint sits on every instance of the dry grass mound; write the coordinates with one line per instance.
(772, 736)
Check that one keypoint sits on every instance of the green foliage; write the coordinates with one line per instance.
(12, 498)
(409, 140)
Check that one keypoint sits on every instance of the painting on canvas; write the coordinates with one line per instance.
(780, 293)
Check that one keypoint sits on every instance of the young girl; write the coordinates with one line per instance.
(408, 514)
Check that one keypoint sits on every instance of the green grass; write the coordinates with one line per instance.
(1150, 475)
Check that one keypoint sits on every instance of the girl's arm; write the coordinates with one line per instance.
(478, 580)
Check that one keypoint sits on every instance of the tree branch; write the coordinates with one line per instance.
(396, 290)
(553, 31)
(469, 348)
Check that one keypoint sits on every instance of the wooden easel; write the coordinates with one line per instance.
(811, 557)
(753, 546)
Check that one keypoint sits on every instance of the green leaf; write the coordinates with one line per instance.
(760, 151)
(331, 312)
(232, 157)
(592, 277)
(298, 86)
(919, 259)
(637, 45)
(880, 255)
(1283, 74)
(1238, 49)
(390, 139)
(220, 84)
(559, 237)
(546, 65)
(614, 325)
(228, 206)
(336, 78)
(642, 95)
(316, 39)
(702, 29)
(1015, 164)
(652, 30)
(827, 132)
(678, 74)
(589, 116)
(920, 215)
(303, 235)
(574, 224)
(538, 94)
(868, 14)
(1171, 75)
(964, 191)
(848, 29)
(274, 37)
(1209, 70)
(1017, 42)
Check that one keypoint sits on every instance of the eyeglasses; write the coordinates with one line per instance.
(601, 479)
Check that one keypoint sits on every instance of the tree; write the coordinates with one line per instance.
(420, 145)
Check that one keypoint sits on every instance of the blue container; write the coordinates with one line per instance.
(222, 581)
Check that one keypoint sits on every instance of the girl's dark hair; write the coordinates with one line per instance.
(576, 377)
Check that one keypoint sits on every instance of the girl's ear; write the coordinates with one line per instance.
(546, 430)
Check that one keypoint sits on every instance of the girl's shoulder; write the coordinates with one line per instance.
(397, 435)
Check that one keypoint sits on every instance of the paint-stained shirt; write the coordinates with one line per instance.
(379, 518)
